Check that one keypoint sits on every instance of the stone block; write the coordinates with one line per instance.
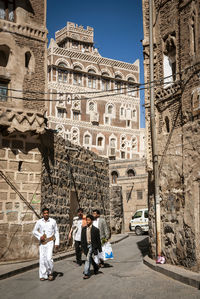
(28, 156)
(17, 205)
(3, 195)
(31, 186)
(28, 227)
(9, 205)
(2, 153)
(1, 206)
(38, 157)
(4, 186)
(32, 167)
(15, 228)
(10, 175)
(12, 216)
(22, 177)
(3, 240)
(13, 165)
(13, 195)
(26, 216)
(12, 154)
(1, 216)
(3, 164)
(4, 227)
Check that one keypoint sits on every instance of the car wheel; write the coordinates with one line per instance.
(138, 231)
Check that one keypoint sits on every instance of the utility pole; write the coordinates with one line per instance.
(153, 134)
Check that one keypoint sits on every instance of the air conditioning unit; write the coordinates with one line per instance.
(94, 117)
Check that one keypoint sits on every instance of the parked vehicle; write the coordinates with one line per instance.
(139, 222)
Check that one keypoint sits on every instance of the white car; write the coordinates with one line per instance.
(139, 222)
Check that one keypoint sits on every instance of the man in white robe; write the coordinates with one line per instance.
(46, 231)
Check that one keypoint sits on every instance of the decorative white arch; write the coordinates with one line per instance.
(62, 60)
(106, 71)
(131, 76)
(79, 64)
(92, 67)
(100, 135)
(118, 73)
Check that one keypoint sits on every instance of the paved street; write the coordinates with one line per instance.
(126, 277)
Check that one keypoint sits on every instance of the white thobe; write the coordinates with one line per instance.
(49, 228)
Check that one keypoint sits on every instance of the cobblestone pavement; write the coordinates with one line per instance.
(126, 277)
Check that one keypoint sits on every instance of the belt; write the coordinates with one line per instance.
(52, 238)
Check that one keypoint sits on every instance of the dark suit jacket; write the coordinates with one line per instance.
(95, 240)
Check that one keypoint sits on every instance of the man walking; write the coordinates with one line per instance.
(78, 223)
(46, 231)
(101, 224)
(91, 245)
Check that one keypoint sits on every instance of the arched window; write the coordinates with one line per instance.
(105, 82)
(131, 173)
(131, 87)
(118, 84)
(91, 106)
(91, 79)
(169, 59)
(100, 141)
(87, 139)
(110, 109)
(62, 72)
(114, 177)
(77, 76)
(167, 124)
(113, 142)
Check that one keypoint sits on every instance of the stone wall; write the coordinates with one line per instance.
(178, 126)
(116, 210)
(20, 161)
(73, 177)
(47, 173)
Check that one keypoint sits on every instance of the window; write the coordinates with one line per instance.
(118, 84)
(107, 120)
(91, 82)
(76, 115)
(130, 173)
(7, 8)
(128, 123)
(60, 112)
(131, 87)
(114, 176)
(27, 59)
(91, 106)
(78, 79)
(122, 111)
(62, 72)
(110, 109)
(75, 44)
(193, 33)
(146, 214)
(169, 59)
(4, 55)
(139, 194)
(87, 139)
(100, 141)
(138, 214)
(113, 142)
(3, 91)
(105, 84)
(123, 155)
(167, 124)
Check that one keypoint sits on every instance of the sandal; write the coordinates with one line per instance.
(42, 279)
(50, 277)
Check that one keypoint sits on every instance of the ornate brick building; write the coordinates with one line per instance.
(95, 102)
(177, 110)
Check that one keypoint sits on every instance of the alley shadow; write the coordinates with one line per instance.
(57, 274)
(143, 246)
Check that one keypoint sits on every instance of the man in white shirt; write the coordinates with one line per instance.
(78, 223)
(46, 231)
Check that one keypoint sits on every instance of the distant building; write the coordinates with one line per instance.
(95, 101)
(177, 110)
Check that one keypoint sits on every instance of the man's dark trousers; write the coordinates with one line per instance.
(78, 251)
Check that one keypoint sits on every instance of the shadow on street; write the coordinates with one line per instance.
(143, 246)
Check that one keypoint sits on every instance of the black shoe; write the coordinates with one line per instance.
(86, 276)
(96, 271)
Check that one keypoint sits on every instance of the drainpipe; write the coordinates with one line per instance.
(153, 134)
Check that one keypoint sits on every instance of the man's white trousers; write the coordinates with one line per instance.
(46, 260)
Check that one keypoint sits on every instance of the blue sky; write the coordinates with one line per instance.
(118, 27)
